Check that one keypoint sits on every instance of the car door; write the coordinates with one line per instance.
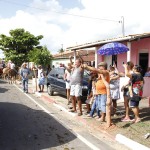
(52, 78)
(60, 83)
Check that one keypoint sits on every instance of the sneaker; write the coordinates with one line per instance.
(89, 116)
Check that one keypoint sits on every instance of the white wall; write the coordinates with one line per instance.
(56, 63)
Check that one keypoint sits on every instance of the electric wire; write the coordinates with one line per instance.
(63, 13)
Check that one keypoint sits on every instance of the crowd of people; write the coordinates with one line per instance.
(24, 71)
(103, 89)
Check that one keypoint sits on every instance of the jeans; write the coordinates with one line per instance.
(25, 85)
(94, 107)
(102, 98)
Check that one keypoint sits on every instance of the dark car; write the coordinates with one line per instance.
(56, 83)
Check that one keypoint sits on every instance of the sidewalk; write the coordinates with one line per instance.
(122, 132)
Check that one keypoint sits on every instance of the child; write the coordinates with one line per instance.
(41, 81)
(94, 101)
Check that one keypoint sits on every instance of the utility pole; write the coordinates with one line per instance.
(122, 25)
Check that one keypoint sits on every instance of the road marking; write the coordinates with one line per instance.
(87, 142)
(48, 112)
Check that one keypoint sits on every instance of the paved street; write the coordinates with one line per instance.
(28, 123)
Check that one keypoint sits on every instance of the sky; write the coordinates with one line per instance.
(65, 23)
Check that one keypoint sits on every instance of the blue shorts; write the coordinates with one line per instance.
(102, 98)
(134, 104)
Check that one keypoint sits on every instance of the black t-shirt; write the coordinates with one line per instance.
(136, 77)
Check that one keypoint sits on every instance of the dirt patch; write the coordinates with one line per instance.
(134, 131)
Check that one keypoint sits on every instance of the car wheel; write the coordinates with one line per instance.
(49, 90)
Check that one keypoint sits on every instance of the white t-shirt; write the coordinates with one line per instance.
(126, 79)
(12, 66)
(39, 73)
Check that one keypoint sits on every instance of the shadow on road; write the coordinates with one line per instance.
(23, 128)
(3, 90)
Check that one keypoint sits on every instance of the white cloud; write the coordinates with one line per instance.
(70, 30)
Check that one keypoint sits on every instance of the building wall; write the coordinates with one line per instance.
(120, 59)
(57, 62)
(142, 45)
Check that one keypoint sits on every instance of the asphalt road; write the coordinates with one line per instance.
(28, 123)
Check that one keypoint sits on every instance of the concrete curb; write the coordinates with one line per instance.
(130, 143)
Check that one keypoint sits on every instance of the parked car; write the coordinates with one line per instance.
(56, 83)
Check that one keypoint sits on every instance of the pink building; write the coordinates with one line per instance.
(139, 53)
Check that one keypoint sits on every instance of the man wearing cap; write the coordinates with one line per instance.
(101, 91)
(24, 74)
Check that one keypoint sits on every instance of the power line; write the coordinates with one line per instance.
(63, 13)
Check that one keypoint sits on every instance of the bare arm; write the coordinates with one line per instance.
(114, 78)
(65, 75)
(82, 61)
(95, 70)
(127, 73)
(70, 58)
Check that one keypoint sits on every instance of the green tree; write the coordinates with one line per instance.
(40, 56)
(61, 50)
(17, 46)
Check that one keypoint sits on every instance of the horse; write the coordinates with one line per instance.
(1, 72)
(11, 75)
(5, 72)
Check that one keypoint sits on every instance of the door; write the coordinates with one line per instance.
(143, 61)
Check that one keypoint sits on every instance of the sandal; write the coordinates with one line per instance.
(71, 110)
(136, 120)
(80, 114)
(100, 120)
(126, 119)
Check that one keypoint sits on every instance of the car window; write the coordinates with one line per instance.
(60, 72)
(53, 72)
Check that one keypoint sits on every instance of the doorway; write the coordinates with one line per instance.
(114, 59)
(143, 61)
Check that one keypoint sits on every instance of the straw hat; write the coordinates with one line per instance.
(24, 64)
